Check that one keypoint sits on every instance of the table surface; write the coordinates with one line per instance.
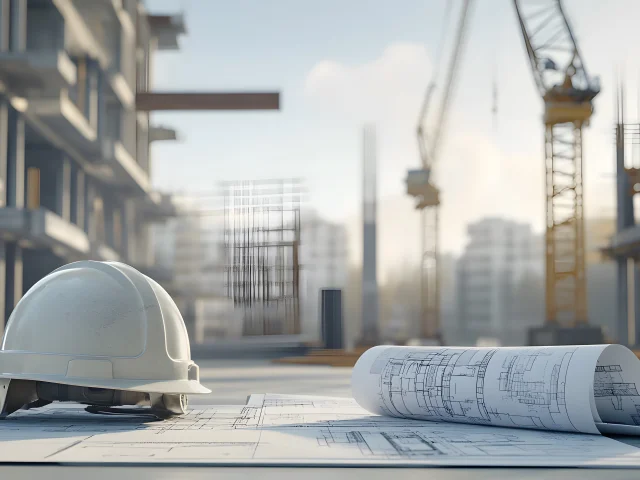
(232, 381)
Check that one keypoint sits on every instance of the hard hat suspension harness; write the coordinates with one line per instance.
(28, 394)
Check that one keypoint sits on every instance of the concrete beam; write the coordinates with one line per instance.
(194, 101)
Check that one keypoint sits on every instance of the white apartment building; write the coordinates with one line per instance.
(497, 280)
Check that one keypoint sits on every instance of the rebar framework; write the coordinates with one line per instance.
(262, 240)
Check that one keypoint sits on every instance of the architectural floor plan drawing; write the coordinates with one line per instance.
(290, 430)
(507, 387)
(560, 388)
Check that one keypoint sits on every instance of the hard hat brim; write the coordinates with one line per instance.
(187, 387)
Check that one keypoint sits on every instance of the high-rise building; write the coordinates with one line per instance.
(498, 278)
(74, 147)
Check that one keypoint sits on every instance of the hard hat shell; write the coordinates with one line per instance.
(101, 325)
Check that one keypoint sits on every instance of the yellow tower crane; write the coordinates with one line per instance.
(420, 184)
(567, 92)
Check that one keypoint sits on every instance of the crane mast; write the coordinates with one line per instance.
(420, 184)
(567, 92)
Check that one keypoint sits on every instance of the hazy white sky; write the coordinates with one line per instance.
(340, 63)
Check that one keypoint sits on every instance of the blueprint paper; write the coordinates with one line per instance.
(561, 388)
(292, 430)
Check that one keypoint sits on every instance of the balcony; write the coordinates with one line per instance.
(37, 69)
(43, 228)
(127, 171)
(109, 28)
(63, 116)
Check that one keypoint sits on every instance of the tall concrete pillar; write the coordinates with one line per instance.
(624, 219)
(108, 209)
(13, 277)
(79, 199)
(63, 188)
(100, 101)
(128, 230)
(4, 132)
(370, 305)
(18, 30)
(622, 304)
(15, 159)
(633, 341)
(3, 287)
(89, 222)
(4, 25)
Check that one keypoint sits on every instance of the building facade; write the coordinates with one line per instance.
(74, 150)
(324, 257)
(497, 282)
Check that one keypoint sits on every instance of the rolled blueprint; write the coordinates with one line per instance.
(588, 389)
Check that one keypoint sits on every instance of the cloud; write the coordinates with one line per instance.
(383, 90)
(476, 177)
(480, 172)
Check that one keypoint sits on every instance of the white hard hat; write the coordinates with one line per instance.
(97, 326)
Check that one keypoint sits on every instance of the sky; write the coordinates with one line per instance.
(340, 64)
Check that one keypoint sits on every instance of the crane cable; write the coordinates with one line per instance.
(421, 128)
(441, 42)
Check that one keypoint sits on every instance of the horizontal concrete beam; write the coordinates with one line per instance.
(193, 101)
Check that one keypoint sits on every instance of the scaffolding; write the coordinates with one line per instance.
(262, 243)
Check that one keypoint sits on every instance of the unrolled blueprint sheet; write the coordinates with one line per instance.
(292, 430)
(586, 389)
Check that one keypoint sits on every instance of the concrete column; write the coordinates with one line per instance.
(101, 105)
(108, 220)
(636, 304)
(18, 30)
(13, 277)
(622, 303)
(89, 221)
(128, 230)
(63, 188)
(4, 25)
(4, 132)
(92, 92)
(15, 159)
(79, 200)
(3, 284)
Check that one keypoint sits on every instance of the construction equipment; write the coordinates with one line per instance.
(421, 185)
(567, 92)
(97, 333)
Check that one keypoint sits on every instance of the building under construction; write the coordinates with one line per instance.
(262, 245)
